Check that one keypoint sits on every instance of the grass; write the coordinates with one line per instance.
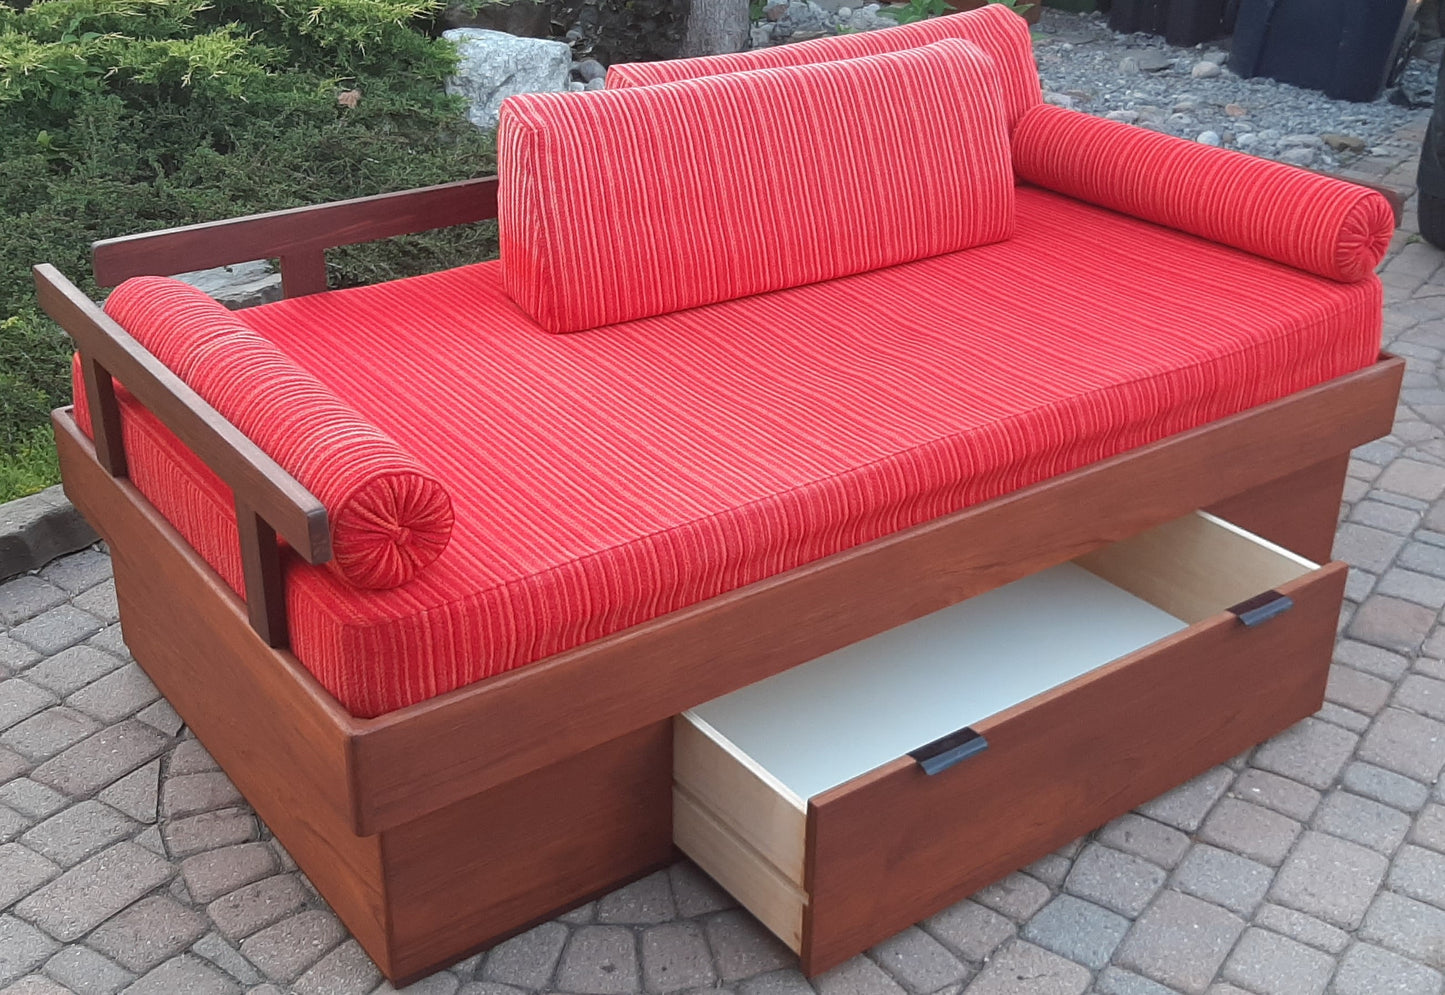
(30, 466)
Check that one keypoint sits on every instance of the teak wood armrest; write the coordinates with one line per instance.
(269, 501)
(299, 237)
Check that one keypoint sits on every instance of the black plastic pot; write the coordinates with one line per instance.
(1350, 49)
(1181, 22)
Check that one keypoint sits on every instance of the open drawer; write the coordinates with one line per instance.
(846, 798)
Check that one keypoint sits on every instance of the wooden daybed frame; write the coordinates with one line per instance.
(443, 827)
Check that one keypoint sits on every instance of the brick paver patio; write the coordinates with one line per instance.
(1313, 864)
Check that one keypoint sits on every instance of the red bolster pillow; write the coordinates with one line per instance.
(390, 518)
(1316, 223)
(623, 204)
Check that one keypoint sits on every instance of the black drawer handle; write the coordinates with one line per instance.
(943, 753)
(1262, 608)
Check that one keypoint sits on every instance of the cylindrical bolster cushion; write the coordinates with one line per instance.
(1316, 223)
(389, 517)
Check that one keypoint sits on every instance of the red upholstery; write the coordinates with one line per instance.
(678, 205)
(1002, 34)
(389, 517)
(1317, 223)
(606, 478)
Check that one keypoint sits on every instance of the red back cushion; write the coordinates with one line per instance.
(622, 204)
(999, 32)
(389, 517)
(1316, 223)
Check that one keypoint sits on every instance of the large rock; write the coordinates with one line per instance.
(35, 530)
(494, 65)
(239, 285)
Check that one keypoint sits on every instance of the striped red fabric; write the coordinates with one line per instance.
(1002, 34)
(604, 479)
(678, 205)
(389, 517)
(1317, 223)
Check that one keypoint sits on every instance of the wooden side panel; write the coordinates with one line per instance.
(665, 666)
(479, 870)
(279, 736)
(1298, 511)
(1059, 766)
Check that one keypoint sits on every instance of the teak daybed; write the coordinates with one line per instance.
(922, 482)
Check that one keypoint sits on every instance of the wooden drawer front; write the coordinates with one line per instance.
(847, 866)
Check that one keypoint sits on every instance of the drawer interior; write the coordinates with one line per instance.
(825, 722)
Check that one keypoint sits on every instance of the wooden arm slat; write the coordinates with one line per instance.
(254, 477)
(293, 232)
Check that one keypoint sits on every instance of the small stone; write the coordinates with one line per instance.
(1153, 60)
(1126, 116)
(1236, 110)
(1209, 137)
(1302, 157)
(149, 932)
(1204, 70)
(1059, 99)
(600, 960)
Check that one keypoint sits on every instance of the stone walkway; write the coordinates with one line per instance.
(1313, 864)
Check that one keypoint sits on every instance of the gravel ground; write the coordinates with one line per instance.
(1190, 92)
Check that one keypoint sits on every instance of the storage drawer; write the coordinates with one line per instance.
(844, 799)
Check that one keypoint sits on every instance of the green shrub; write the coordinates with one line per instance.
(121, 116)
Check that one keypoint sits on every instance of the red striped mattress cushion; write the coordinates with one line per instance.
(603, 479)
(617, 205)
(1317, 223)
(1002, 34)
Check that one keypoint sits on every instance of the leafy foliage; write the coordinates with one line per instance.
(120, 116)
(919, 10)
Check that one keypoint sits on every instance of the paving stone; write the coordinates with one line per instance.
(1076, 929)
(1406, 926)
(150, 931)
(1430, 828)
(345, 971)
(72, 669)
(35, 984)
(1275, 965)
(210, 875)
(1115, 880)
(112, 640)
(1411, 586)
(99, 601)
(1386, 786)
(1023, 967)
(1251, 830)
(490, 988)
(137, 793)
(12, 765)
(1180, 941)
(1312, 752)
(859, 976)
(1358, 584)
(160, 716)
(675, 957)
(1391, 623)
(1355, 722)
(19, 699)
(1422, 694)
(184, 974)
(1406, 743)
(1280, 794)
(22, 948)
(1154, 841)
(527, 961)
(214, 948)
(788, 981)
(646, 901)
(601, 960)
(103, 758)
(12, 824)
(1371, 970)
(443, 983)
(741, 947)
(86, 827)
(22, 870)
(258, 905)
(1389, 517)
(1371, 659)
(79, 571)
(970, 930)
(190, 757)
(1186, 806)
(86, 972)
(1360, 691)
(14, 656)
(1223, 878)
(208, 831)
(26, 597)
(1330, 878)
(55, 629)
(1365, 547)
(284, 951)
(1051, 869)
(1362, 821)
(1413, 478)
(93, 891)
(1017, 896)
(46, 733)
(1420, 874)
(1302, 927)
(117, 695)
(29, 798)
